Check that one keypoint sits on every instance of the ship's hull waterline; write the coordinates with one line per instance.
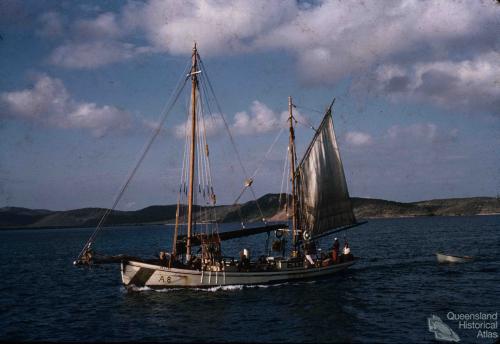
(139, 274)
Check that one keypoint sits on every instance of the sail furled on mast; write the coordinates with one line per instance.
(324, 198)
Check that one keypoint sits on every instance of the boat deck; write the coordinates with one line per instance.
(146, 273)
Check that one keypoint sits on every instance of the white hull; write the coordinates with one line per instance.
(445, 258)
(141, 274)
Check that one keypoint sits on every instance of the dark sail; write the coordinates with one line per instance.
(324, 198)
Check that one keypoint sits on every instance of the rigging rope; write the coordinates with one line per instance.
(207, 102)
(208, 174)
(198, 156)
(308, 125)
(205, 93)
(259, 166)
(266, 156)
(164, 114)
(306, 122)
(288, 183)
(180, 211)
(306, 108)
(285, 168)
(230, 136)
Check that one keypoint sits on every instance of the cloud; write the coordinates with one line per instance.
(260, 119)
(219, 27)
(103, 26)
(357, 138)
(422, 139)
(321, 34)
(94, 54)
(99, 120)
(93, 43)
(426, 40)
(470, 84)
(212, 126)
(167, 27)
(50, 103)
(329, 45)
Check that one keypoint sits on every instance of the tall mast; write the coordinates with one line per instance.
(194, 85)
(292, 174)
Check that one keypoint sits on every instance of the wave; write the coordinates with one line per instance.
(232, 287)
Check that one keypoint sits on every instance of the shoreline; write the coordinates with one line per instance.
(250, 222)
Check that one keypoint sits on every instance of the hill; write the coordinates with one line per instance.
(376, 208)
(364, 208)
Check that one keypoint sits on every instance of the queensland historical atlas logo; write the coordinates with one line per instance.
(486, 325)
(441, 331)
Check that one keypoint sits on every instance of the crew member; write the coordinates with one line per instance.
(346, 252)
(244, 263)
(310, 249)
(335, 253)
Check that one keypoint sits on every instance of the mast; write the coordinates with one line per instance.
(292, 174)
(194, 85)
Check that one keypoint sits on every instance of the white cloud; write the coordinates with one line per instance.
(212, 127)
(319, 32)
(49, 102)
(99, 120)
(94, 54)
(260, 119)
(324, 39)
(219, 27)
(103, 26)
(168, 27)
(330, 45)
(321, 35)
(470, 84)
(357, 138)
(96, 42)
(48, 95)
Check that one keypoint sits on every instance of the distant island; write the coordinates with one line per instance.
(364, 208)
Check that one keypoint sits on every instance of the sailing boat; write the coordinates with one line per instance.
(319, 204)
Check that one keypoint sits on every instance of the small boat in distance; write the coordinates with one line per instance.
(446, 258)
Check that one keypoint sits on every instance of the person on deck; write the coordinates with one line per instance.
(346, 250)
(310, 249)
(88, 256)
(244, 263)
(346, 253)
(335, 253)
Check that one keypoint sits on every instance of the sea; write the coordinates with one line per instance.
(388, 296)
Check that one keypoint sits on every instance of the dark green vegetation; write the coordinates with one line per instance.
(364, 208)
(377, 208)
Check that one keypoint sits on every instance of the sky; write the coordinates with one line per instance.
(83, 84)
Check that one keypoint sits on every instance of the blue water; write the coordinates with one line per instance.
(386, 297)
